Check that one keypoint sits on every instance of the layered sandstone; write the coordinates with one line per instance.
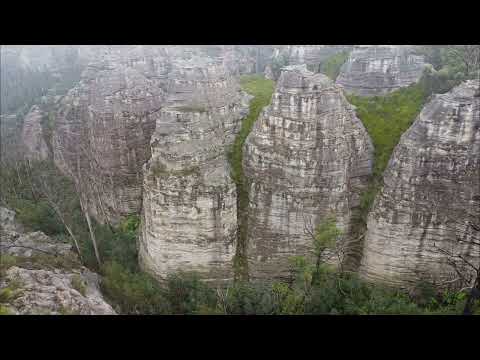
(311, 55)
(307, 157)
(103, 128)
(189, 199)
(430, 194)
(378, 70)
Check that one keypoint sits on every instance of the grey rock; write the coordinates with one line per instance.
(308, 156)
(45, 292)
(33, 243)
(32, 135)
(45, 288)
(7, 220)
(378, 70)
(311, 55)
(189, 199)
(104, 125)
(430, 193)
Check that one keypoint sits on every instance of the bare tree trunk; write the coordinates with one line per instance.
(92, 234)
(78, 185)
(474, 294)
(55, 207)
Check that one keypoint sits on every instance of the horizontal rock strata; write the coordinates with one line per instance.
(189, 199)
(430, 194)
(378, 70)
(307, 157)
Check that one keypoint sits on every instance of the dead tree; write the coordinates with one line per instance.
(78, 187)
(467, 270)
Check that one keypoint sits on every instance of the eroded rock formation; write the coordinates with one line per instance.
(430, 193)
(307, 157)
(378, 70)
(311, 55)
(103, 128)
(189, 199)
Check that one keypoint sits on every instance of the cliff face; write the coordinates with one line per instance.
(189, 199)
(32, 135)
(430, 193)
(307, 157)
(311, 55)
(104, 125)
(378, 70)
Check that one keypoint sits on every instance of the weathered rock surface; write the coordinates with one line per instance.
(311, 55)
(7, 220)
(378, 70)
(28, 244)
(189, 199)
(430, 193)
(32, 135)
(308, 156)
(104, 125)
(49, 292)
(35, 286)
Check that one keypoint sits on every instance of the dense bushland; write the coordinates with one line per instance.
(314, 288)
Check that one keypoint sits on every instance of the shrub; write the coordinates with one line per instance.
(39, 217)
(132, 292)
(187, 294)
(5, 311)
(78, 284)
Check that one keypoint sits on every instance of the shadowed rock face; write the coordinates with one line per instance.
(189, 199)
(307, 156)
(104, 125)
(32, 135)
(431, 191)
(378, 70)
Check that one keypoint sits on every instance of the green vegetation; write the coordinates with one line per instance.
(331, 66)
(261, 89)
(313, 288)
(78, 284)
(159, 169)
(5, 311)
(200, 109)
(386, 118)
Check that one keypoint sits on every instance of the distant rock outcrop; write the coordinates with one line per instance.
(378, 70)
(311, 55)
(307, 157)
(431, 191)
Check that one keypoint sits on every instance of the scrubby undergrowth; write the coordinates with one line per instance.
(261, 89)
